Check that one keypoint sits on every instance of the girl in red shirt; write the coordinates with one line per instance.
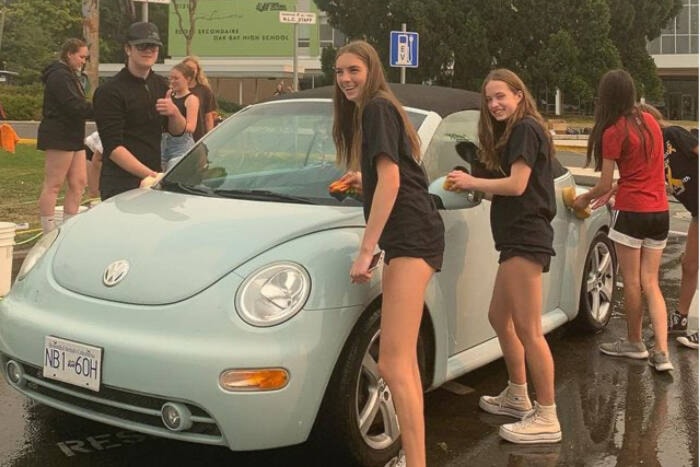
(625, 136)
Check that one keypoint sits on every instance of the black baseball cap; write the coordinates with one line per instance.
(143, 33)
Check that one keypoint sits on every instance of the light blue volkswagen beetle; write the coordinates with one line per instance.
(217, 308)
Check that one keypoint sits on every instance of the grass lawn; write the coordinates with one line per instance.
(21, 176)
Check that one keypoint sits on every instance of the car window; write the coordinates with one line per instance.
(281, 151)
(441, 155)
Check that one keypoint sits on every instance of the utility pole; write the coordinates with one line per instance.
(295, 60)
(91, 33)
(402, 70)
(2, 20)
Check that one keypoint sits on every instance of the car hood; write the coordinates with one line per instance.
(177, 244)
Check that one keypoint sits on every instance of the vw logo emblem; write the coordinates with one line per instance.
(115, 272)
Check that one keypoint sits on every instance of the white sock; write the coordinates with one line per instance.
(548, 411)
(67, 216)
(47, 224)
(518, 389)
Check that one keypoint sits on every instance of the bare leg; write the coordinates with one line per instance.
(630, 266)
(56, 166)
(404, 283)
(77, 180)
(651, 260)
(93, 171)
(501, 319)
(522, 280)
(689, 276)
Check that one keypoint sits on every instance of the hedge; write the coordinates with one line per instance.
(22, 102)
(25, 102)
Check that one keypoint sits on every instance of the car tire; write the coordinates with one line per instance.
(357, 420)
(597, 284)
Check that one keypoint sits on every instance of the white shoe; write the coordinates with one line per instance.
(398, 461)
(513, 401)
(540, 427)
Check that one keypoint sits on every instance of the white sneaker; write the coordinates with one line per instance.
(659, 360)
(540, 427)
(398, 461)
(690, 341)
(513, 401)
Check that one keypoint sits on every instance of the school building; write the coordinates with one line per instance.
(675, 53)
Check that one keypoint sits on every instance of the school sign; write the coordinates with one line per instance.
(241, 28)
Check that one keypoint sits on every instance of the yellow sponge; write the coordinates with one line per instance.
(569, 195)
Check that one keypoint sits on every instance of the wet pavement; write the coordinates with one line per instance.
(613, 412)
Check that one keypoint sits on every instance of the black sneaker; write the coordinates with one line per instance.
(677, 323)
(689, 341)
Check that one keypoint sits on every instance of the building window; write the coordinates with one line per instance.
(325, 33)
(680, 35)
(668, 44)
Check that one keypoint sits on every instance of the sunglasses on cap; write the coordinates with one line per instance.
(145, 47)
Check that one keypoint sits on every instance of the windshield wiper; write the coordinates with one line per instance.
(262, 195)
(190, 189)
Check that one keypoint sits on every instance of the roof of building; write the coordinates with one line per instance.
(441, 100)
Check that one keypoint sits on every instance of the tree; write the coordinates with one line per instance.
(115, 18)
(565, 43)
(187, 32)
(373, 21)
(188, 27)
(633, 23)
(33, 33)
(91, 33)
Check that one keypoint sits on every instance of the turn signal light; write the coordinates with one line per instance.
(262, 379)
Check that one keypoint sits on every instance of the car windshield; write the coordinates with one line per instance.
(280, 151)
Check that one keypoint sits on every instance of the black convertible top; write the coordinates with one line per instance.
(443, 101)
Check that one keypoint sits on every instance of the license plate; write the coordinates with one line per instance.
(73, 363)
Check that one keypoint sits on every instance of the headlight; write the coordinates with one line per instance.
(36, 253)
(273, 294)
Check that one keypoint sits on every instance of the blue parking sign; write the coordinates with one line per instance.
(403, 51)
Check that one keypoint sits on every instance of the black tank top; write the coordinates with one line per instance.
(180, 103)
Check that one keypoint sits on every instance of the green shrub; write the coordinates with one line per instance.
(22, 102)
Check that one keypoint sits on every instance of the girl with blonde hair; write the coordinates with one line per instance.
(201, 88)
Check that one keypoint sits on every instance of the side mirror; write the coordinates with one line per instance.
(453, 199)
(467, 151)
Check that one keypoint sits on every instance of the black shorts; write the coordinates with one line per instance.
(543, 259)
(640, 229)
(434, 261)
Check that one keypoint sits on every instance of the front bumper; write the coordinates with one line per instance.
(175, 353)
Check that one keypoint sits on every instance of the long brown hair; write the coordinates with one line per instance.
(616, 99)
(347, 121)
(493, 135)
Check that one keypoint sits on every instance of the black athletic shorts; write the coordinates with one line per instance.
(540, 258)
(640, 229)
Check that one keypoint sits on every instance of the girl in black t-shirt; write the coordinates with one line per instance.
(517, 149)
(372, 133)
(681, 169)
